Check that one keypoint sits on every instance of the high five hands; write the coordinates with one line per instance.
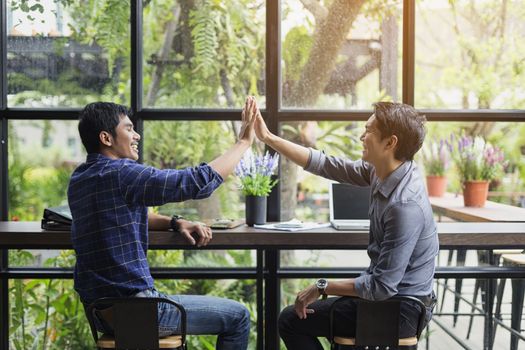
(253, 121)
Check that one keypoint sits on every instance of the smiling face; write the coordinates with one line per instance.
(374, 148)
(125, 144)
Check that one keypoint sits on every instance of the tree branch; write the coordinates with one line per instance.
(318, 11)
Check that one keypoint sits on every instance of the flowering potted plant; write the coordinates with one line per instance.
(255, 173)
(478, 163)
(436, 158)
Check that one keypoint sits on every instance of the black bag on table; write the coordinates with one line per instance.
(57, 218)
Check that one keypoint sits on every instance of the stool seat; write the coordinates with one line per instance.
(107, 341)
(514, 259)
(507, 251)
(351, 341)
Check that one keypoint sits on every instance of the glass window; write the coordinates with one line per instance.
(305, 196)
(41, 160)
(67, 53)
(340, 55)
(508, 185)
(470, 54)
(203, 54)
(175, 145)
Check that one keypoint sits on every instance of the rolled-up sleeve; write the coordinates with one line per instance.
(149, 186)
(338, 169)
(401, 233)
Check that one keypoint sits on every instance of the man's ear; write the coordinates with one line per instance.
(392, 142)
(105, 138)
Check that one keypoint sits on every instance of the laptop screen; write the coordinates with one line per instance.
(348, 202)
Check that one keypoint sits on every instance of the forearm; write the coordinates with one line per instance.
(158, 222)
(225, 163)
(296, 153)
(341, 288)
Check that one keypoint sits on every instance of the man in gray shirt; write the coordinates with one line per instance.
(403, 237)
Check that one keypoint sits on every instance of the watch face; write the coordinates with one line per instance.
(321, 283)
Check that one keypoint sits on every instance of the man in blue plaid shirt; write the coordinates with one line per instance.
(109, 196)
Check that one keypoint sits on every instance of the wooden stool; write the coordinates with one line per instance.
(377, 325)
(518, 290)
(135, 324)
(481, 285)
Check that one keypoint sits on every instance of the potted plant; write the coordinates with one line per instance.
(255, 173)
(436, 159)
(478, 163)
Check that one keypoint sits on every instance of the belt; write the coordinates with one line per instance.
(428, 300)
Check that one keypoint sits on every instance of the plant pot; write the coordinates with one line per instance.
(436, 185)
(255, 210)
(475, 193)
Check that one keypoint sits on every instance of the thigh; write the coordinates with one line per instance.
(318, 322)
(208, 314)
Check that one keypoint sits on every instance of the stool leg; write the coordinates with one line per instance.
(445, 283)
(462, 254)
(474, 299)
(499, 298)
(518, 288)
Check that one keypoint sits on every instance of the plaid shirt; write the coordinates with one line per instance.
(108, 200)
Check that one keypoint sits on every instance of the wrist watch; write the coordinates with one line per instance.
(321, 285)
(173, 223)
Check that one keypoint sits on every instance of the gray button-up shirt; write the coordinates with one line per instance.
(403, 235)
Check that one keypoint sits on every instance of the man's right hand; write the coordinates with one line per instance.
(261, 130)
(204, 233)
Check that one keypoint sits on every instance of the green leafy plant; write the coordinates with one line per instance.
(255, 173)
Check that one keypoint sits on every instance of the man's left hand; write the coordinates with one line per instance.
(305, 298)
(186, 228)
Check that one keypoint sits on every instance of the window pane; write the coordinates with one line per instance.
(509, 185)
(42, 156)
(470, 54)
(183, 144)
(345, 61)
(305, 196)
(67, 53)
(206, 54)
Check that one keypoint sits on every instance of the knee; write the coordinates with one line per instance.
(243, 318)
(286, 319)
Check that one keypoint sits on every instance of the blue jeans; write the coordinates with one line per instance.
(226, 318)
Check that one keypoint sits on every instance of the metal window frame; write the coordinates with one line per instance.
(273, 114)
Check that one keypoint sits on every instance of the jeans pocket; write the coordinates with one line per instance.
(169, 320)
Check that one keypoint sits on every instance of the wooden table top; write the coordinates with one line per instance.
(468, 235)
(452, 206)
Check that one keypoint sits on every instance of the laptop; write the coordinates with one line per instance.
(349, 207)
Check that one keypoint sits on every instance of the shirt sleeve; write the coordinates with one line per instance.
(401, 233)
(146, 185)
(342, 170)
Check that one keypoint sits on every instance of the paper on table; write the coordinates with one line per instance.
(293, 225)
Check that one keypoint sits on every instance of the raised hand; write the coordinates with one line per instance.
(261, 130)
(248, 115)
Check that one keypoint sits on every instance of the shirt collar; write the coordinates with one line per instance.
(95, 157)
(390, 183)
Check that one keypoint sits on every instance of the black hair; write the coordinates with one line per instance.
(97, 117)
(405, 122)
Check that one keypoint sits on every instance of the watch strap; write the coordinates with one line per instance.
(173, 223)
